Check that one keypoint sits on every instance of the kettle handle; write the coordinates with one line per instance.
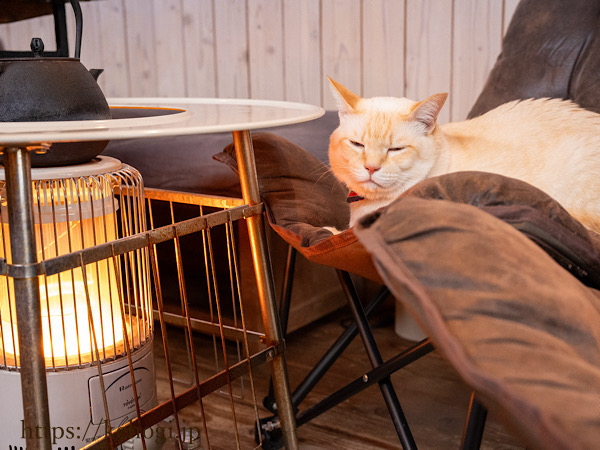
(78, 26)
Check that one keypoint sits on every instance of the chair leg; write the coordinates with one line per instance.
(385, 385)
(474, 426)
(286, 289)
(365, 381)
(360, 325)
(334, 351)
(284, 313)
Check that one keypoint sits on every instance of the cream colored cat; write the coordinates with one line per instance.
(385, 145)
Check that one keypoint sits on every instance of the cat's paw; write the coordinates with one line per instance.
(332, 230)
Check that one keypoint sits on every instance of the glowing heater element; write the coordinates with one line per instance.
(82, 316)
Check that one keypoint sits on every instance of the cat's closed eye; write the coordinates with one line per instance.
(357, 144)
(396, 149)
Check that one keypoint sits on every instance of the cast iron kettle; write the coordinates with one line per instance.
(39, 88)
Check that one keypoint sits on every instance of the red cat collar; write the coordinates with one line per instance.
(353, 197)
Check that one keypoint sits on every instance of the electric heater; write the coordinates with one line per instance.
(92, 314)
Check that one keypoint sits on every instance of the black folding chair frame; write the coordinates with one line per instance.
(380, 373)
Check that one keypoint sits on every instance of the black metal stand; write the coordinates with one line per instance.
(385, 385)
(380, 374)
(474, 426)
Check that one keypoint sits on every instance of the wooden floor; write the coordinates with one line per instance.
(433, 398)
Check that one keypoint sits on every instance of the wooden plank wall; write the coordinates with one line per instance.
(283, 49)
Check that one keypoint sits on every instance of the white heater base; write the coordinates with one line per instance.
(76, 405)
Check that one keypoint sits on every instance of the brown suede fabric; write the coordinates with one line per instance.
(518, 328)
(527, 209)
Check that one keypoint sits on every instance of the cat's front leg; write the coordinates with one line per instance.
(332, 230)
(365, 207)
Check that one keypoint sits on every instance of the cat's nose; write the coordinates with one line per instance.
(372, 169)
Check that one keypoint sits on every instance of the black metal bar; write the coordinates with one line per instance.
(78, 26)
(360, 384)
(334, 352)
(474, 426)
(385, 385)
(286, 290)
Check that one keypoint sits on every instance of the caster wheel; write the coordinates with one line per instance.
(270, 433)
(270, 404)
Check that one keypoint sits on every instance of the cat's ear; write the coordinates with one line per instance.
(427, 111)
(346, 99)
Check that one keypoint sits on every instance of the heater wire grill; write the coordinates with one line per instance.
(71, 214)
(131, 256)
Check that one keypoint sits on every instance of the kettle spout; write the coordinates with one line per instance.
(96, 73)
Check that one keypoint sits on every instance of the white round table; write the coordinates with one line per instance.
(182, 116)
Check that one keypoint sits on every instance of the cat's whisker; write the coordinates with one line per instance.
(328, 173)
(318, 169)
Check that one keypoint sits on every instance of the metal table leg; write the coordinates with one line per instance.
(264, 280)
(36, 423)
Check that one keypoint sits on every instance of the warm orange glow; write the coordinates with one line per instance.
(65, 324)
(70, 216)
